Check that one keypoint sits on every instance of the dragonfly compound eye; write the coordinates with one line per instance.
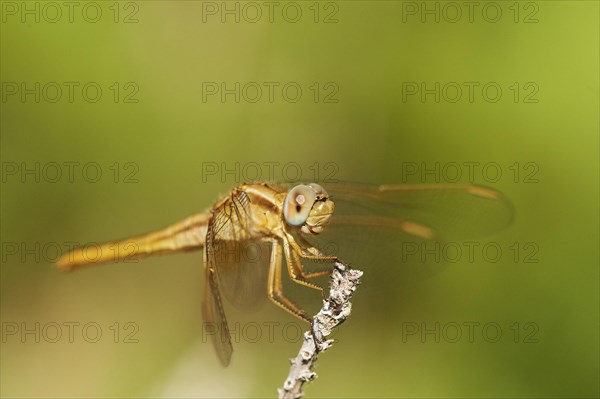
(298, 204)
(319, 191)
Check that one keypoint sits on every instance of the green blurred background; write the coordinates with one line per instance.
(366, 55)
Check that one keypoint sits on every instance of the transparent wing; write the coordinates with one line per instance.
(213, 313)
(227, 226)
(230, 218)
(243, 272)
(443, 212)
(403, 230)
(241, 263)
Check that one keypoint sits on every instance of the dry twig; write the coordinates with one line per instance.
(335, 311)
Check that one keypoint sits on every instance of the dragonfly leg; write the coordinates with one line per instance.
(296, 270)
(307, 251)
(275, 286)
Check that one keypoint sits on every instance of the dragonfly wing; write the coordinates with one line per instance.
(243, 272)
(442, 211)
(213, 313)
(241, 263)
(408, 232)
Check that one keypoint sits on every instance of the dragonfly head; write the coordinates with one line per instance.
(308, 207)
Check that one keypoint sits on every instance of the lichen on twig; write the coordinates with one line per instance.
(336, 309)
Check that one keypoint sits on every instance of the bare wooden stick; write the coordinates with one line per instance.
(334, 312)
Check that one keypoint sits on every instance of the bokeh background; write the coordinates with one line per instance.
(155, 128)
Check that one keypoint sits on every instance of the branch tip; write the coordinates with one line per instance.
(336, 309)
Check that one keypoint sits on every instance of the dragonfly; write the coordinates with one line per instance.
(281, 218)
